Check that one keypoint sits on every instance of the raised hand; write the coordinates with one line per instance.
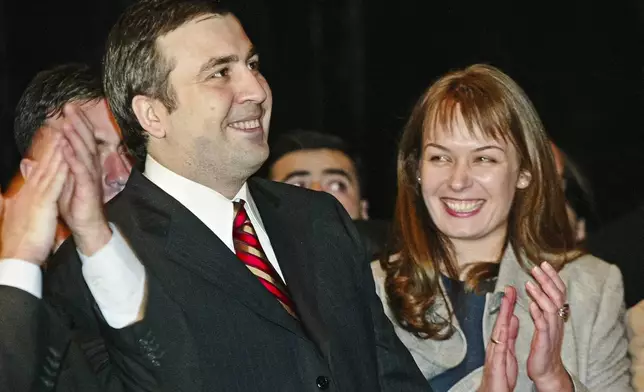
(31, 215)
(548, 312)
(81, 202)
(501, 368)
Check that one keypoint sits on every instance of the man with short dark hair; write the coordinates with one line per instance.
(56, 102)
(321, 162)
(42, 104)
(238, 284)
(28, 223)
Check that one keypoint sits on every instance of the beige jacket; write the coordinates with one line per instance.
(595, 346)
(635, 317)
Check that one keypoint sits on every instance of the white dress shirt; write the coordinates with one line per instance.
(21, 275)
(211, 207)
(114, 274)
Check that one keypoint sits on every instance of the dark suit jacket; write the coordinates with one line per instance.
(374, 235)
(210, 325)
(33, 343)
(19, 345)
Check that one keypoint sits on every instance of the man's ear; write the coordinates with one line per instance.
(151, 114)
(26, 166)
(364, 209)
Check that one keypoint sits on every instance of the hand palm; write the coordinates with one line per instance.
(540, 357)
(20, 232)
(81, 207)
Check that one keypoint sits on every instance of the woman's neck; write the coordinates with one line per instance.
(487, 249)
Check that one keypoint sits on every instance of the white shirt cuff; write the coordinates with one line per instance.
(22, 275)
(116, 278)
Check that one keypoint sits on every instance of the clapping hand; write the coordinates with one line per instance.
(31, 215)
(549, 311)
(81, 202)
(501, 367)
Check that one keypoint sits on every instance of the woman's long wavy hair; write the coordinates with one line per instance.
(538, 227)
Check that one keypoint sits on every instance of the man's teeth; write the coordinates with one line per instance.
(463, 206)
(252, 124)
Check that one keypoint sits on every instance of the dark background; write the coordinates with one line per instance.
(355, 67)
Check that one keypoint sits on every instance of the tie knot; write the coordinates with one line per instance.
(240, 214)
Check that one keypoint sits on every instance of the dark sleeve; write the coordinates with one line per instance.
(156, 350)
(139, 357)
(91, 362)
(33, 343)
(20, 313)
(396, 368)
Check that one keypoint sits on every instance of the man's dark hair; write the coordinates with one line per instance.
(46, 95)
(134, 66)
(302, 139)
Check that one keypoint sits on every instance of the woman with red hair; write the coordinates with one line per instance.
(486, 286)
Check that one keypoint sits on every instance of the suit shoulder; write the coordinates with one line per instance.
(288, 190)
(591, 277)
(589, 266)
(295, 196)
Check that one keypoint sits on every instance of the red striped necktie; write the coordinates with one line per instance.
(250, 252)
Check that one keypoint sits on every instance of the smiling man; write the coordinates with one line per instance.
(238, 284)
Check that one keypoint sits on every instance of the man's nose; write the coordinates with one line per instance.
(250, 88)
(117, 169)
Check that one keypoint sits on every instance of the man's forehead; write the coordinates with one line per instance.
(97, 112)
(204, 37)
(320, 158)
(95, 105)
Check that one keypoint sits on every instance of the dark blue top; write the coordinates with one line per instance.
(468, 308)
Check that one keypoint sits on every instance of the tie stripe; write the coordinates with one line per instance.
(252, 261)
(249, 239)
(250, 252)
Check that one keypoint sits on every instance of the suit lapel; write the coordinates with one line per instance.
(294, 259)
(160, 229)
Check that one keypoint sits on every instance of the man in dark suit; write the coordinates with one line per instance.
(230, 284)
(29, 220)
(36, 344)
(39, 123)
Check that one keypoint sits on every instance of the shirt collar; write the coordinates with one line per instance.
(211, 207)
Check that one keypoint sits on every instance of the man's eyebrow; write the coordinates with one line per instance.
(222, 60)
(296, 173)
(252, 52)
(216, 61)
(340, 172)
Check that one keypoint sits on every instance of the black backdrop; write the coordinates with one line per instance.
(355, 68)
